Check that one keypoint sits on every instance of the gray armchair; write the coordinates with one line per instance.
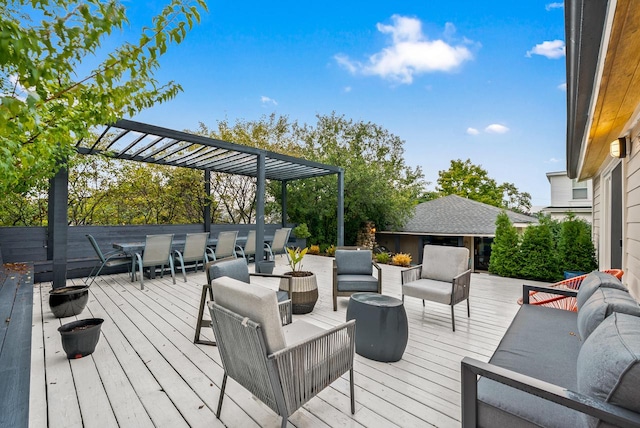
(353, 273)
(282, 366)
(444, 277)
(195, 250)
(237, 269)
(157, 252)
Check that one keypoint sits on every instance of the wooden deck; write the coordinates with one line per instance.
(146, 371)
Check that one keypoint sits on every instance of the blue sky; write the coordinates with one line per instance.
(455, 80)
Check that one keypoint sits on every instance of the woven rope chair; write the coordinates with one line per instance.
(564, 302)
(282, 372)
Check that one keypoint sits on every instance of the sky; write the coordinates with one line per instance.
(478, 80)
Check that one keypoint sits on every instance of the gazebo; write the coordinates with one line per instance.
(141, 142)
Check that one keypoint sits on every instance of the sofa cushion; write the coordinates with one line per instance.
(354, 262)
(357, 283)
(299, 331)
(543, 343)
(608, 365)
(255, 302)
(443, 263)
(429, 289)
(233, 268)
(602, 303)
(592, 282)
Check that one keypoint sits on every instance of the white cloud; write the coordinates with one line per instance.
(347, 88)
(495, 128)
(410, 52)
(267, 100)
(472, 131)
(553, 160)
(563, 86)
(551, 49)
(554, 5)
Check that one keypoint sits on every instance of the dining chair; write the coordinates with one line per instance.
(279, 243)
(157, 252)
(110, 259)
(250, 247)
(226, 245)
(195, 250)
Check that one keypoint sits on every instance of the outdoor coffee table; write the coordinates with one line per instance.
(381, 326)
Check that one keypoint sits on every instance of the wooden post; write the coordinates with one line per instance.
(58, 226)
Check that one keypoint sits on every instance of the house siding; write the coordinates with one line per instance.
(631, 254)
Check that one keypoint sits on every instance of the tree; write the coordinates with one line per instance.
(575, 246)
(473, 182)
(45, 108)
(505, 250)
(378, 185)
(538, 253)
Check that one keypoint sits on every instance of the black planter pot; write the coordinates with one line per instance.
(79, 338)
(68, 301)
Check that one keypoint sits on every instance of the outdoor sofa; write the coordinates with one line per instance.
(557, 368)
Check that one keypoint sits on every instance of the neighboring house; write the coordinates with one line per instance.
(569, 195)
(451, 220)
(603, 124)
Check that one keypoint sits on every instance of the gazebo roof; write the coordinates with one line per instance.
(142, 142)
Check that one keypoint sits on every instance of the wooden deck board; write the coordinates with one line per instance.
(146, 371)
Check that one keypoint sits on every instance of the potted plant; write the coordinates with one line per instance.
(79, 338)
(68, 301)
(304, 286)
(301, 232)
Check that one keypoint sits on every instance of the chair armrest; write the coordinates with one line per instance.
(460, 286)
(411, 274)
(286, 311)
(308, 367)
(526, 289)
(471, 368)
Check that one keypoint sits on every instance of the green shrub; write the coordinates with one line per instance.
(301, 231)
(505, 250)
(538, 254)
(314, 249)
(575, 247)
(331, 250)
(384, 258)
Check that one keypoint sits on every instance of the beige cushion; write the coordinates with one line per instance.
(255, 302)
(429, 289)
(444, 263)
(299, 331)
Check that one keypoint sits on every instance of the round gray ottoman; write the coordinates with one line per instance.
(381, 326)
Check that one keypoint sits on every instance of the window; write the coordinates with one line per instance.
(579, 189)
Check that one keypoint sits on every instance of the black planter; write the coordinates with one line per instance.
(68, 301)
(79, 338)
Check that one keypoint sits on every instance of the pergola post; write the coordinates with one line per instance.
(260, 190)
(58, 226)
(284, 203)
(341, 207)
(207, 206)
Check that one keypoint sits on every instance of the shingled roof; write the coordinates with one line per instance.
(455, 215)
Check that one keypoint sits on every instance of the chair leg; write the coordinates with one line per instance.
(335, 303)
(468, 309)
(423, 303)
(224, 385)
(353, 397)
(453, 319)
(284, 422)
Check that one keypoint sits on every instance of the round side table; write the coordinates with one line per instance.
(381, 326)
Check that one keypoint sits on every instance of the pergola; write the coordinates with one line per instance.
(142, 142)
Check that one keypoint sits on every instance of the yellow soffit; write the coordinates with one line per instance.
(619, 91)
